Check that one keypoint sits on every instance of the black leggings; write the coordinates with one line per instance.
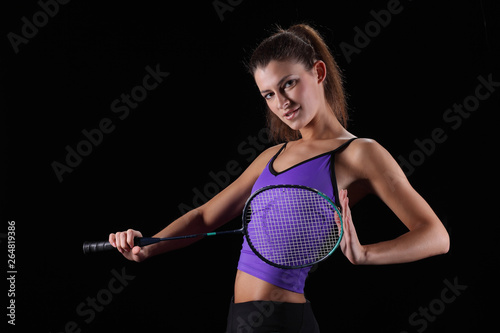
(271, 317)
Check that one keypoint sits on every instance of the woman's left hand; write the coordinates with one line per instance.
(350, 246)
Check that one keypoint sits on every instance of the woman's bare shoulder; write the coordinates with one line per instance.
(368, 159)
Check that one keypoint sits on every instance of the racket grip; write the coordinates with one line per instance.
(91, 247)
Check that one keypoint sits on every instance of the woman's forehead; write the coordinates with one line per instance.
(275, 71)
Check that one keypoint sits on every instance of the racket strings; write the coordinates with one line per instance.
(292, 227)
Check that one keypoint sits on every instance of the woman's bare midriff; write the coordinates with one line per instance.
(248, 288)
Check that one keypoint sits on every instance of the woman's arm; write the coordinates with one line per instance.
(219, 210)
(426, 236)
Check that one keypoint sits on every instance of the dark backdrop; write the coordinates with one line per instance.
(409, 68)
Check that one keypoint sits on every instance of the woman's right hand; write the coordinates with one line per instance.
(124, 242)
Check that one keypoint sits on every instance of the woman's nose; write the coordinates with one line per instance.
(283, 102)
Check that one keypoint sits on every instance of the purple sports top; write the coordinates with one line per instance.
(316, 172)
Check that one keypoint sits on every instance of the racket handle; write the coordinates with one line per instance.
(91, 247)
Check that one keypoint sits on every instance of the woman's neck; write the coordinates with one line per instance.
(323, 127)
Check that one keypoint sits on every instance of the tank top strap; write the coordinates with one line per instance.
(333, 176)
(281, 149)
(277, 154)
(343, 146)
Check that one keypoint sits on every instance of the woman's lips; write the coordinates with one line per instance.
(291, 114)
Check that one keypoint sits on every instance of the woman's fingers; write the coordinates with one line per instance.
(130, 238)
(344, 201)
(119, 240)
(124, 242)
(112, 239)
(136, 250)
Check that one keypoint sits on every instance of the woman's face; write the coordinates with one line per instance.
(292, 93)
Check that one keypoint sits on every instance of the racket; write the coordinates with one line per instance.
(287, 226)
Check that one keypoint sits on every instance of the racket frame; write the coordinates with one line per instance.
(245, 224)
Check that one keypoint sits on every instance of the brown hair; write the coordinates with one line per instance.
(303, 44)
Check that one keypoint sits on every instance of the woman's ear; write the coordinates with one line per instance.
(319, 70)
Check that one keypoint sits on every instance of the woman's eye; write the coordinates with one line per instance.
(268, 96)
(290, 83)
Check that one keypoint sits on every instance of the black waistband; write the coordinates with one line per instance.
(270, 316)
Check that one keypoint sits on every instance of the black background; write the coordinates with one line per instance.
(64, 79)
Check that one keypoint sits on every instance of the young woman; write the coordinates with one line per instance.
(301, 84)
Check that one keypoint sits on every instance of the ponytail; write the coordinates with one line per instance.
(303, 44)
